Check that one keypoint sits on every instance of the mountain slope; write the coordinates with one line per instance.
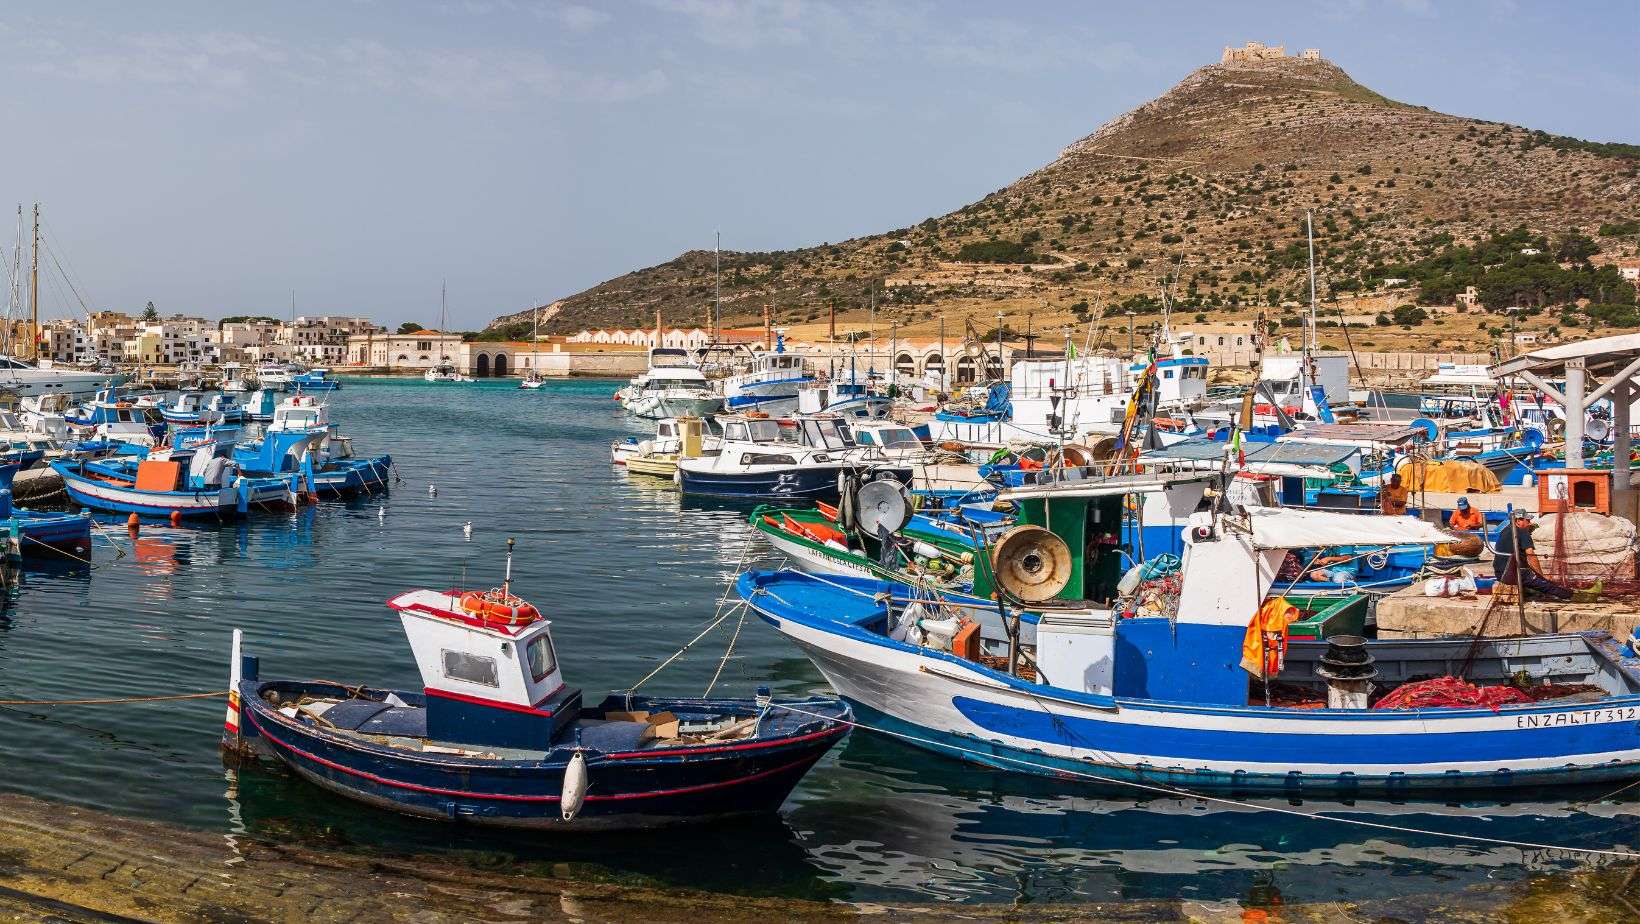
(1214, 176)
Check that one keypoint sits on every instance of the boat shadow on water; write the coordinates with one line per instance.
(278, 807)
(898, 823)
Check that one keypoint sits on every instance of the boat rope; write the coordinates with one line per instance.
(60, 551)
(1223, 800)
(729, 650)
(719, 615)
(169, 698)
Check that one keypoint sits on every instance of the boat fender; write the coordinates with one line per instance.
(926, 551)
(940, 628)
(575, 786)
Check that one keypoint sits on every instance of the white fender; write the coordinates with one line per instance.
(575, 786)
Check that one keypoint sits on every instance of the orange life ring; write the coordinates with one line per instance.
(496, 608)
(756, 415)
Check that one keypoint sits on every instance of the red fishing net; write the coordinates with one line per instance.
(1449, 692)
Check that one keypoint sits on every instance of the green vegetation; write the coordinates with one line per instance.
(245, 319)
(410, 327)
(998, 251)
(1513, 269)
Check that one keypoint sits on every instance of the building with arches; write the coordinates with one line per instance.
(420, 350)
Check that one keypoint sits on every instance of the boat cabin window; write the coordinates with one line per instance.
(666, 429)
(543, 660)
(471, 668)
(764, 431)
(824, 434)
(124, 416)
(898, 438)
(735, 431)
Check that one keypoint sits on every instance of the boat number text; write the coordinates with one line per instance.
(1592, 716)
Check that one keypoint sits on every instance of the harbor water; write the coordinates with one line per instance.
(628, 572)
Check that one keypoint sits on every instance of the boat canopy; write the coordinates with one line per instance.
(1287, 528)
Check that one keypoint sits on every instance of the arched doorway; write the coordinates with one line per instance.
(965, 370)
(933, 367)
(993, 367)
(482, 364)
(500, 365)
(906, 365)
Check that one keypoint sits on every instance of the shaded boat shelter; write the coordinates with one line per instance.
(1592, 370)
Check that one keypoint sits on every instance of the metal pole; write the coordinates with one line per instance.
(1574, 413)
(1519, 561)
(1622, 468)
(34, 289)
(942, 352)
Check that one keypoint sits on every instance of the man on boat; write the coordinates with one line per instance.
(1392, 497)
(1504, 563)
(1466, 518)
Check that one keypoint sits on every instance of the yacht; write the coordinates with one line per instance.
(25, 379)
(671, 387)
(276, 376)
(445, 371)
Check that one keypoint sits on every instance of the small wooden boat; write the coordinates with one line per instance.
(495, 737)
(192, 407)
(302, 441)
(28, 532)
(814, 542)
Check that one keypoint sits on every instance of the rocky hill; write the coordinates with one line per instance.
(1211, 182)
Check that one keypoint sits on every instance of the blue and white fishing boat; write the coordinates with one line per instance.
(30, 532)
(1048, 678)
(260, 404)
(198, 482)
(494, 736)
(770, 384)
(109, 419)
(314, 380)
(848, 396)
(194, 408)
(301, 441)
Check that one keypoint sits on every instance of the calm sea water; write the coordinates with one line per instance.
(628, 573)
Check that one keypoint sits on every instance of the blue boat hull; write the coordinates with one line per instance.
(808, 483)
(651, 787)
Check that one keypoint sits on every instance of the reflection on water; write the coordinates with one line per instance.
(628, 572)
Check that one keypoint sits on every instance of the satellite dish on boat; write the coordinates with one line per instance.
(880, 505)
(1031, 563)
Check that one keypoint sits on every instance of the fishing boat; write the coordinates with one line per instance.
(192, 408)
(112, 420)
(314, 380)
(814, 541)
(763, 458)
(260, 404)
(233, 379)
(848, 395)
(532, 379)
(28, 532)
(770, 384)
(674, 439)
(1051, 678)
(494, 736)
(197, 482)
(301, 441)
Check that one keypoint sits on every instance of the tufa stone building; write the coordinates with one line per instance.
(1254, 52)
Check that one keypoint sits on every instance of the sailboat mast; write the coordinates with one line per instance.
(34, 289)
(1309, 234)
(16, 304)
(717, 289)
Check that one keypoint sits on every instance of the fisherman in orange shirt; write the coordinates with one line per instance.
(1466, 518)
(1392, 497)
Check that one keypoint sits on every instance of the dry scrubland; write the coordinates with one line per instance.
(1212, 177)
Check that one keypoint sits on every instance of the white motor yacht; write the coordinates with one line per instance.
(23, 379)
(445, 371)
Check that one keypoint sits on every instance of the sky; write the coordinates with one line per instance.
(214, 158)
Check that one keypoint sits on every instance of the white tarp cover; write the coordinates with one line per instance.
(1287, 528)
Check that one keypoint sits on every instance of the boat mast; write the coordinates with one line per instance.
(1309, 234)
(871, 362)
(16, 303)
(34, 290)
(717, 288)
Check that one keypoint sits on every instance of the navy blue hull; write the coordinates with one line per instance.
(811, 483)
(648, 787)
(818, 484)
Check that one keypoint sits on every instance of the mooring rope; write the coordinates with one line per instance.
(173, 697)
(1205, 797)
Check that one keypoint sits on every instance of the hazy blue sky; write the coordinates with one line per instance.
(213, 156)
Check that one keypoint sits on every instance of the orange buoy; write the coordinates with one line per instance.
(133, 524)
(176, 517)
